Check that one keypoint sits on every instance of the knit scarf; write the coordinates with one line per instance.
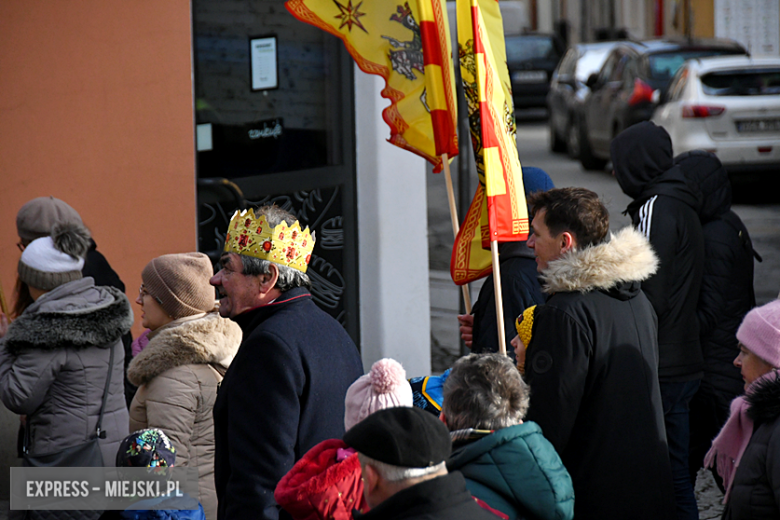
(729, 446)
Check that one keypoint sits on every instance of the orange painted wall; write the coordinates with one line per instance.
(96, 109)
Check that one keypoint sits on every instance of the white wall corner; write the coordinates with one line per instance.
(392, 240)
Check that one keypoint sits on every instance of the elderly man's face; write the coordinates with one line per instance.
(237, 291)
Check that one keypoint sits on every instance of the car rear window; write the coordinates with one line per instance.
(665, 65)
(742, 82)
(529, 48)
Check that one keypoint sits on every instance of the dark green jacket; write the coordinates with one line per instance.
(517, 471)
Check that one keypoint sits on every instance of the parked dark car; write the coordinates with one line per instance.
(622, 92)
(531, 59)
(568, 90)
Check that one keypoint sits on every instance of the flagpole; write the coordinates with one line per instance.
(499, 298)
(3, 303)
(455, 223)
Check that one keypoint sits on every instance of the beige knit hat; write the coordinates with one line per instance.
(180, 282)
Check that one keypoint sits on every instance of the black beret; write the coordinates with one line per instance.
(403, 436)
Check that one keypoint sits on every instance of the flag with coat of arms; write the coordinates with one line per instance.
(408, 44)
(498, 211)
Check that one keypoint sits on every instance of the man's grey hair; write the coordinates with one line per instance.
(289, 278)
(392, 473)
(486, 392)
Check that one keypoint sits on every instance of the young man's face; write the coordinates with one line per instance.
(237, 291)
(546, 247)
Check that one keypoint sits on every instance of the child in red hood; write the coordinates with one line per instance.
(325, 483)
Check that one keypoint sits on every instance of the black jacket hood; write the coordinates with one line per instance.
(640, 154)
(709, 182)
(644, 167)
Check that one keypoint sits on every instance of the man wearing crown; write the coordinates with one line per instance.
(284, 391)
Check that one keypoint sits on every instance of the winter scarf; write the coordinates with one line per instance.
(729, 446)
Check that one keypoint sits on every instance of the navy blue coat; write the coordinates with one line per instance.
(520, 288)
(283, 394)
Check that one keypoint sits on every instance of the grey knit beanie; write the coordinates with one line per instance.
(57, 259)
(180, 282)
(36, 218)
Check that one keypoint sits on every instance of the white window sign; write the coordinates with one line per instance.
(262, 52)
(753, 23)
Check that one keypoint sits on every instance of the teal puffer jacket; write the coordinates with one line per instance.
(517, 471)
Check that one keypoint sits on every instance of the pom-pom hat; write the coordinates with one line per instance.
(54, 260)
(760, 332)
(385, 386)
(36, 218)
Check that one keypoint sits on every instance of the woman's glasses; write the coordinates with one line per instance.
(143, 292)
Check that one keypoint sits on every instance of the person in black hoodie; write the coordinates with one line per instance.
(665, 211)
(726, 296)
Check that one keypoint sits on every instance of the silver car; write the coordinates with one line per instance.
(729, 106)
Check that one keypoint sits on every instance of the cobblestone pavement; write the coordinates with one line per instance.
(708, 496)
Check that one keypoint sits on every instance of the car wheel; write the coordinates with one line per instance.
(573, 140)
(557, 144)
(587, 159)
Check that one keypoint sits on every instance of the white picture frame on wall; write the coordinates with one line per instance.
(264, 65)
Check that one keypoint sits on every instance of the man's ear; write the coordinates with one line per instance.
(568, 241)
(370, 478)
(442, 418)
(268, 281)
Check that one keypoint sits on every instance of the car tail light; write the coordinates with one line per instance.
(643, 93)
(697, 111)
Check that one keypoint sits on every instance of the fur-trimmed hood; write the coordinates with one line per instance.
(210, 339)
(764, 400)
(77, 315)
(626, 257)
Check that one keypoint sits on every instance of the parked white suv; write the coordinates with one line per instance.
(729, 106)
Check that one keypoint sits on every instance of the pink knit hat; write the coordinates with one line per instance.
(385, 386)
(760, 332)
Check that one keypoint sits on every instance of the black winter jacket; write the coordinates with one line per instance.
(592, 365)
(96, 266)
(283, 394)
(520, 288)
(755, 492)
(727, 283)
(441, 498)
(665, 211)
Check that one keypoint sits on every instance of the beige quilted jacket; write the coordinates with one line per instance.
(177, 375)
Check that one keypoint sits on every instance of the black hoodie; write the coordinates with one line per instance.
(727, 284)
(665, 210)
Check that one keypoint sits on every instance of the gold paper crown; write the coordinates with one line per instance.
(285, 245)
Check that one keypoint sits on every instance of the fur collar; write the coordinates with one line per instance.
(764, 400)
(94, 326)
(208, 340)
(626, 257)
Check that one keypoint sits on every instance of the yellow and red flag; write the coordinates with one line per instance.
(408, 44)
(498, 211)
